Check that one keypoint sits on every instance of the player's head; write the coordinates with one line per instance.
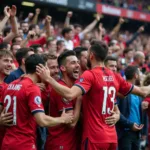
(32, 61)
(6, 60)
(97, 52)
(132, 73)
(22, 54)
(81, 54)
(139, 58)
(111, 63)
(69, 64)
(52, 64)
(37, 48)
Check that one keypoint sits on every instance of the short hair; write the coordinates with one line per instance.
(48, 56)
(62, 57)
(66, 30)
(22, 53)
(110, 58)
(127, 50)
(6, 30)
(130, 72)
(79, 50)
(32, 26)
(99, 49)
(5, 53)
(32, 61)
(77, 25)
(3, 45)
(14, 39)
(59, 42)
(35, 47)
(24, 22)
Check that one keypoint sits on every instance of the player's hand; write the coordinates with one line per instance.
(98, 17)
(37, 11)
(112, 120)
(13, 11)
(41, 86)
(6, 118)
(30, 35)
(43, 72)
(69, 14)
(145, 105)
(137, 127)
(7, 11)
(66, 117)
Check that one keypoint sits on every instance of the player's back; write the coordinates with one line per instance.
(100, 86)
(17, 100)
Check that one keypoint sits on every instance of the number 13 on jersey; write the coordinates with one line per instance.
(11, 101)
(108, 92)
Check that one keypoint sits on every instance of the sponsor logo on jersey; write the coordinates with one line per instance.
(81, 80)
(108, 78)
(65, 101)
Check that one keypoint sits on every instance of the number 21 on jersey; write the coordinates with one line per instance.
(11, 101)
(107, 92)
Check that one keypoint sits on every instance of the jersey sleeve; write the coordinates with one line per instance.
(34, 100)
(85, 82)
(147, 99)
(125, 87)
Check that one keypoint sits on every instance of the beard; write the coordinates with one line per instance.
(89, 64)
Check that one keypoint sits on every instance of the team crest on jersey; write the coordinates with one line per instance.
(65, 101)
(81, 80)
(37, 100)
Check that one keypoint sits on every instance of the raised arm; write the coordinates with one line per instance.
(35, 18)
(5, 19)
(13, 21)
(68, 17)
(91, 26)
(47, 26)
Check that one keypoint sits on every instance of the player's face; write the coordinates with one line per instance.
(88, 60)
(53, 67)
(6, 65)
(83, 60)
(112, 65)
(72, 67)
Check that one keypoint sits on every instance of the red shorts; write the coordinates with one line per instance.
(87, 145)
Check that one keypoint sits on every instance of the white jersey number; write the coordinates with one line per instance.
(10, 100)
(107, 92)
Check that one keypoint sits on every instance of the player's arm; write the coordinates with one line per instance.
(76, 112)
(141, 91)
(47, 121)
(68, 93)
(112, 120)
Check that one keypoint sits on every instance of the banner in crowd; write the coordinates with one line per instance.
(115, 11)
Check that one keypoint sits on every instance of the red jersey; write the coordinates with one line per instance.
(101, 86)
(61, 136)
(23, 98)
(76, 40)
(2, 128)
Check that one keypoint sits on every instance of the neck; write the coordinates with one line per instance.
(33, 77)
(23, 68)
(2, 77)
(97, 64)
(131, 81)
(68, 81)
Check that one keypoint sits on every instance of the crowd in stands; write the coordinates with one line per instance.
(128, 54)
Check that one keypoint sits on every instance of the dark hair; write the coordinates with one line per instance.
(35, 47)
(99, 49)
(59, 42)
(32, 26)
(110, 58)
(62, 57)
(127, 50)
(3, 46)
(22, 53)
(79, 50)
(48, 56)
(6, 30)
(32, 61)
(77, 25)
(14, 39)
(5, 53)
(66, 30)
(147, 57)
(130, 72)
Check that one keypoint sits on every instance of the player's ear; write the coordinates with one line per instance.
(62, 68)
(91, 55)
(23, 61)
